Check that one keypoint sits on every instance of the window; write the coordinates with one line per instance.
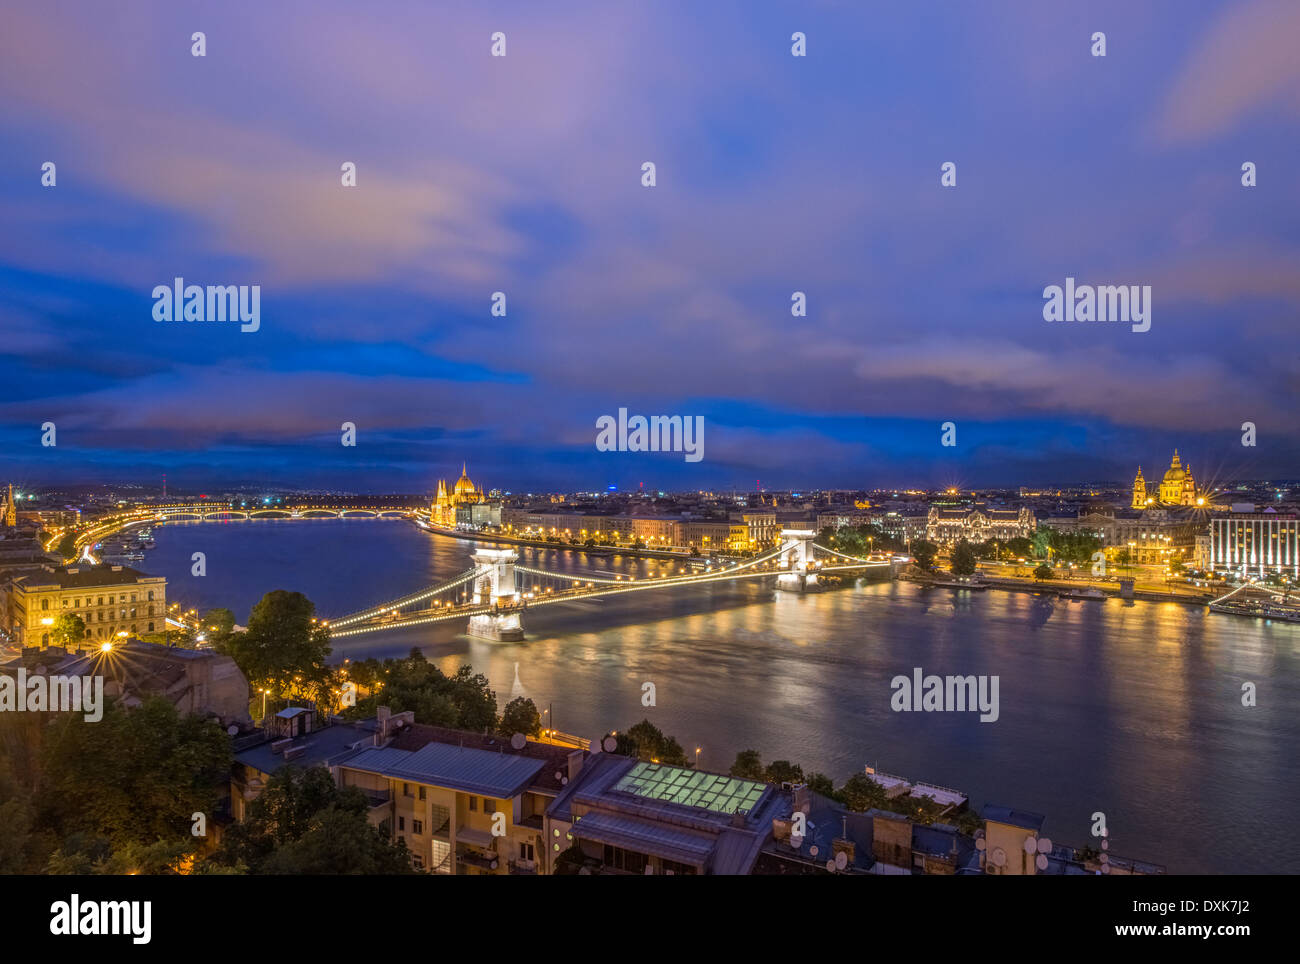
(422, 795)
(417, 826)
(473, 804)
(101, 601)
(406, 789)
(65, 604)
(132, 597)
(151, 627)
(418, 861)
(401, 823)
(489, 805)
(526, 851)
(45, 604)
(628, 860)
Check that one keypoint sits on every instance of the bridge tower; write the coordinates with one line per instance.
(797, 561)
(496, 588)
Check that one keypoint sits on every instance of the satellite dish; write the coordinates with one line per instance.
(494, 864)
(1105, 859)
(1041, 861)
(796, 841)
(564, 781)
(1105, 868)
(519, 741)
(830, 866)
(812, 851)
(1105, 844)
(841, 860)
(232, 729)
(610, 744)
(1031, 845)
(1044, 845)
(999, 857)
(981, 843)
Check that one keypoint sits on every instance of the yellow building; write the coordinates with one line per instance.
(11, 510)
(1178, 487)
(464, 803)
(443, 510)
(110, 600)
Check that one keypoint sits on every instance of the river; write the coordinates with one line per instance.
(1133, 709)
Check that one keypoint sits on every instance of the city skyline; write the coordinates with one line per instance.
(522, 175)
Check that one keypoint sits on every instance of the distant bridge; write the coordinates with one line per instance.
(494, 593)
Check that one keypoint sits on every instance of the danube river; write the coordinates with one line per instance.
(1130, 709)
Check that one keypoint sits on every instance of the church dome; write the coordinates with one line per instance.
(463, 485)
(1176, 471)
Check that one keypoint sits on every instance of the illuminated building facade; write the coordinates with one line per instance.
(464, 493)
(1178, 487)
(1255, 543)
(109, 599)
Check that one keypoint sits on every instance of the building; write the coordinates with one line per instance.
(1255, 543)
(442, 511)
(291, 738)
(464, 803)
(1176, 488)
(978, 523)
(201, 682)
(112, 601)
(11, 510)
(628, 816)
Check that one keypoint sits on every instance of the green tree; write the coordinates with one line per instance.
(646, 741)
(302, 823)
(924, 552)
(821, 783)
(218, 624)
(520, 716)
(285, 648)
(783, 771)
(68, 628)
(136, 776)
(963, 559)
(1043, 571)
(748, 766)
(1020, 547)
(861, 793)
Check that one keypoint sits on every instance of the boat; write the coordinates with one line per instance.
(962, 582)
(1089, 593)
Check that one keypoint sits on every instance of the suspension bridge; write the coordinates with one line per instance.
(496, 591)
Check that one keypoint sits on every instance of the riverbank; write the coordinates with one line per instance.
(496, 539)
(1054, 587)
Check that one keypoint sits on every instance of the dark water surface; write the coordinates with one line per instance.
(1130, 709)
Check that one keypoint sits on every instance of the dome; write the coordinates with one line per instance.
(1176, 472)
(463, 484)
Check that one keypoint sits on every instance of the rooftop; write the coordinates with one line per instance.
(498, 775)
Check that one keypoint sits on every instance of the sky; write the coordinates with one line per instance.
(523, 174)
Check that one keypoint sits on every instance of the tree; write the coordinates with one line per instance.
(860, 793)
(783, 771)
(821, 783)
(924, 552)
(68, 628)
(963, 559)
(748, 766)
(1043, 571)
(285, 648)
(1020, 547)
(463, 701)
(218, 624)
(302, 823)
(136, 776)
(520, 716)
(646, 741)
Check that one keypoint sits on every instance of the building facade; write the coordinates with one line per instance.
(442, 511)
(978, 524)
(1255, 543)
(1178, 487)
(111, 601)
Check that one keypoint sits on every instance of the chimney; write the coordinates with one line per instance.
(576, 758)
